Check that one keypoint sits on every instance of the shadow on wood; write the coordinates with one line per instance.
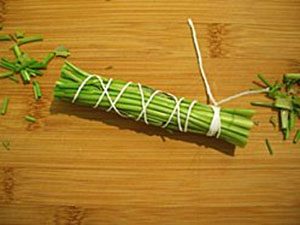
(115, 120)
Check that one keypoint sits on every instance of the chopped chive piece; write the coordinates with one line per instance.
(37, 90)
(34, 72)
(62, 51)
(6, 60)
(6, 74)
(269, 147)
(292, 120)
(264, 104)
(19, 34)
(5, 37)
(261, 77)
(13, 78)
(7, 65)
(283, 102)
(6, 145)
(25, 76)
(284, 119)
(38, 65)
(291, 76)
(273, 121)
(4, 106)
(48, 58)
(30, 119)
(296, 101)
(286, 133)
(297, 137)
(17, 51)
(27, 40)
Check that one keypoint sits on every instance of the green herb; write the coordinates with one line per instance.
(269, 147)
(6, 74)
(7, 65)
(34, 72)
(25, 76)
(30, 119)
(263, 104)
(47, 59)
(236, 123)
(291, 76)
(4, 106)
(14, 79)
(284, 119)
(17, 51)
(27, 40)
(261, 77)
(61, 51)
(5, 37)
(37, 90)
(292, 120)
(19, 34)
(285, 101)
(6, 145)
(297, 137)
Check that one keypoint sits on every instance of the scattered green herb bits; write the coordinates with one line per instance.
(297, 137)
(269, 147)
(30, 119)
(4, 106)
(37, 90)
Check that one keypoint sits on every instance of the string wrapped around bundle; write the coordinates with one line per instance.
(153, 107)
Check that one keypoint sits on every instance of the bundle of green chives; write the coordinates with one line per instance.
(235, 123)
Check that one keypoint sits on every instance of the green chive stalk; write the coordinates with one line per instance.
(4, 106)
(30, 118)
(27, 40)
(236, 123)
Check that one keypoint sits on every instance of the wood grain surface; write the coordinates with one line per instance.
(81, 166)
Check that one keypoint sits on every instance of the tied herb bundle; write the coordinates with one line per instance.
(160, 110)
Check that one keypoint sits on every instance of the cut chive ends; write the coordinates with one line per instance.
(62, 51)
(30, 119)
(26, 40)
(37, 90)
(285, 101)
(297, 137)
(4, 106)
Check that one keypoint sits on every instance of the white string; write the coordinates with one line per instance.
(215, 124)
(145, 106)
(248, 92)
(113, 105)
(105, 91)
(200, 63)
(188, 115)
(175, 110)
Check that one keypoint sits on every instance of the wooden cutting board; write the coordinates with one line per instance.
(81, 166)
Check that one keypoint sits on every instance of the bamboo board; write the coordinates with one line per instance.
(81, 166)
